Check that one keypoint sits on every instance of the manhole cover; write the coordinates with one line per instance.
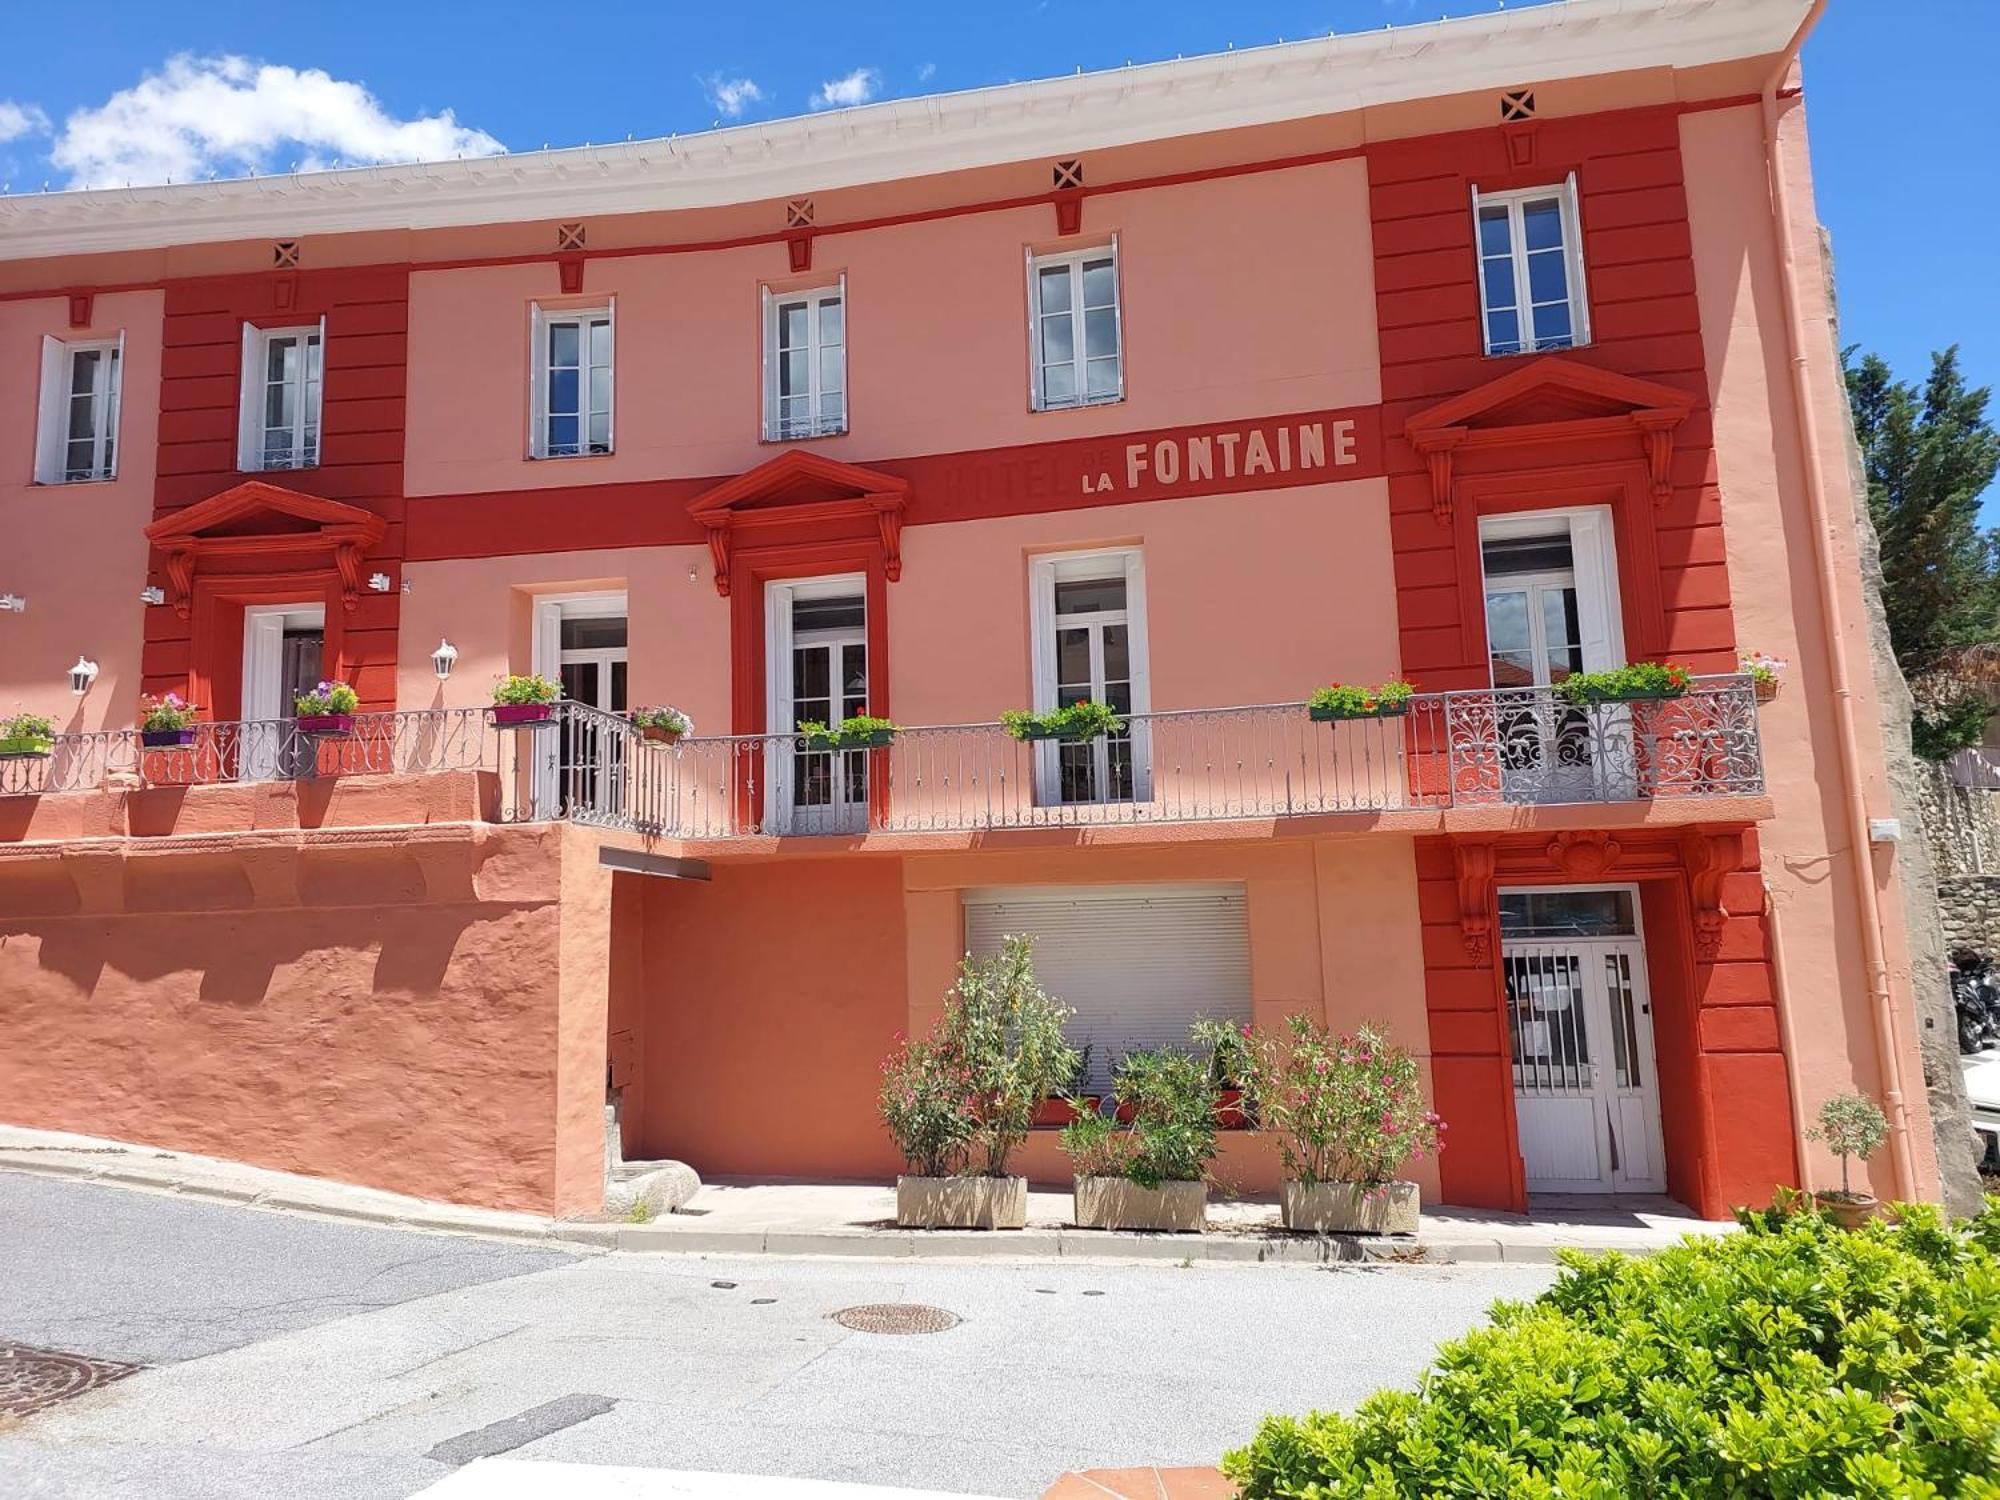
(31, 1379)
(896, 1317)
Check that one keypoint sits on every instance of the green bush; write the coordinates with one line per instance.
(1942, 730)
(1793, 1359)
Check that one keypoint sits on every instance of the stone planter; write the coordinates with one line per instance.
(1848, 1210)
(1344, 1208)
(1120, 1203)
(962, 1202)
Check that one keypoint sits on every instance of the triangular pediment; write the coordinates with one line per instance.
(1551, 391)
(256, 509)
(796, 478)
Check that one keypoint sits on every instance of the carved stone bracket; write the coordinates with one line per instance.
(1584, 855)
(1437, 446)
(1657, 430)
(889, 526)
(801, 496)
(1711, 857)
(1474, 866)
(180, 576)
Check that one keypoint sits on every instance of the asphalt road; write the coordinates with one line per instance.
(297, 1357)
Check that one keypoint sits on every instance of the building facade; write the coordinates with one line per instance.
(1475, 354)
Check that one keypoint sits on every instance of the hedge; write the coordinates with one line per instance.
(1792, 1359)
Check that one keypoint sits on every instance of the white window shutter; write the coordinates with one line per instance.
(768, 316)
(49, 412)
(1579, 294)
(248, 424)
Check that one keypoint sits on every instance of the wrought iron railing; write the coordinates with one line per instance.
(1446, 750)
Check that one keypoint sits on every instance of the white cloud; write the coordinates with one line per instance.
(17, 120)
(731, 95)
(926, 72)
(228, 114)
(857, 87)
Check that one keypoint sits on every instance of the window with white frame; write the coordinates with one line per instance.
(805, 363)
(1075, 342)
(570, 394)
(1531, 292)
(77, 428)
(282, 369)
(1090, 645)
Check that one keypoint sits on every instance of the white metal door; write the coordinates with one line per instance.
(1586, 1093)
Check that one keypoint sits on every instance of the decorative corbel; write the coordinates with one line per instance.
(1474, 864)
(80, 306)
(570, 269)
(1583, 855)
(799, 215)
(180, 575)
(1710, 858)
(347, 560)
(889, 527)
(1069, 197)
(1520, 139)
(718, 549)
(1437, 446)
(1656, 427)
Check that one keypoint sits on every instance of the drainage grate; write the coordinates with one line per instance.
(31, 1379)
(896, 1317)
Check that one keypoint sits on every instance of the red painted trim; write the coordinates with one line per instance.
(215, 657)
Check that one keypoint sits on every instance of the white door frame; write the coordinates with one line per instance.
(1620, 1117)
(779, 594)
(545, 655)
(1044, 571)
(260, 752)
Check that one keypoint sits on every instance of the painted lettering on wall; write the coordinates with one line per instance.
(1169, 461)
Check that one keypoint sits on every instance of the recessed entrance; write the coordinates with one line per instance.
(1580, 1027)
(818, 672)
(284, 655)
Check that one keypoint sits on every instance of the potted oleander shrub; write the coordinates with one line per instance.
(27, 737)
(1230, 1068)
(961, 1101)
(1349, 1113)
(1149, 1171)
(1075, 722)
(1642, 682)
(1850, 1125)
(327, 709)
(166, 720)
(524, 699)
(661, 724)
(1766, 674)
(1386, 700)
(1068, 1099)
(855, 732)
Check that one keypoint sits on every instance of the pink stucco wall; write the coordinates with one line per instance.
(75, 551)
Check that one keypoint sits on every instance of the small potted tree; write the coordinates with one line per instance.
(1230, 1067)
(524, 700)
(1349, 1112)
(27, 737)
(1076, 722)
(166, 720)
(1386, 700)
(855, 732)
(661, 724)
(1766, 673)
(1850, 1125)
(1642, 682)
(994, 1055)
(326, 710)
(1068, 1099)
(1151, 1171)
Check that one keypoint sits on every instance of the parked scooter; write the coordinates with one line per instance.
(1975, 993)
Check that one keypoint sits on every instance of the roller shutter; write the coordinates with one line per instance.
(1136, 963)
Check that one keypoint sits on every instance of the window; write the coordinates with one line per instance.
(1551, 595)
(805, 363)
(279, 428)
(1090, 643)
(570, 402)
(1531, 269)
(1075, 341)
(77, 429)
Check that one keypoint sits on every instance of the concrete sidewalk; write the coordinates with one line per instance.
(736, 1217)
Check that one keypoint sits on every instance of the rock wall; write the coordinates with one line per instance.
(1962, 826)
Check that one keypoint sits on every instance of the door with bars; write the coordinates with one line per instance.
(1586, 1093)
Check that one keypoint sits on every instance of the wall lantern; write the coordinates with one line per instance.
(443, 658)
(13, 603)
(152, 594)
(379, 582)
(82, 675)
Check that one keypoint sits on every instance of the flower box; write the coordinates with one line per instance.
(870, 739)
(1765, 688)
(1120, 1203)
(1327, 714)
(26, 747)
(962, 1202)
(660, 734)
(522, 715)
(325, 724)
(1054, 1113)
(1642, 682)
(166, 739)
(1350, 1208)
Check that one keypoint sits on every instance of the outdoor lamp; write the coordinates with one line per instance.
(82, 675)
(443, 657)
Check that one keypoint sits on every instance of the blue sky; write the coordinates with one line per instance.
(1904, 129)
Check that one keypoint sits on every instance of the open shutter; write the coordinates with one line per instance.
(1579, 293)
(1137, 964)
(50, 413)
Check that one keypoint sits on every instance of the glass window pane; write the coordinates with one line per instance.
(1100, 285)
(1117, 653)
(1102, 377)
(562, 434)
(1499, 276)
(832, 321)
(812, 675)
(563, 344)
(1073, 660)
(795, 373)
(828, 614)
(1089, 595)
(313, 356)
(1541, 224)
(563, 390)
(281, 360)
(1494, 238)
(1118, 695)
(1059, 383)
(1561, 913)
(83, 372)
(1100, 332)
(592, 633)
(1507, 620)
(1058, 340)
(832, 409)
(1552, 329)
(81, 410)
(1548, 277)
(1503, 331)
(1559, 623)
(80, 462)
(830, 373)
(792, 325)
(1054, 282)
(600, 432)
(600, 341)
(1548, 553)
(280, 405)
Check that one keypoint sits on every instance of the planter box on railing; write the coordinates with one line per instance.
(522, 715)
(27, 747)
(325, 725)
(1327, 714)
(659, 734)
(872, 739)
(166, 739)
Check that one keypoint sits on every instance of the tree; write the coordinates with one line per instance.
(1929, 455)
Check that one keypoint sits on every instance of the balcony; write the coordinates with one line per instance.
(1449, 752)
